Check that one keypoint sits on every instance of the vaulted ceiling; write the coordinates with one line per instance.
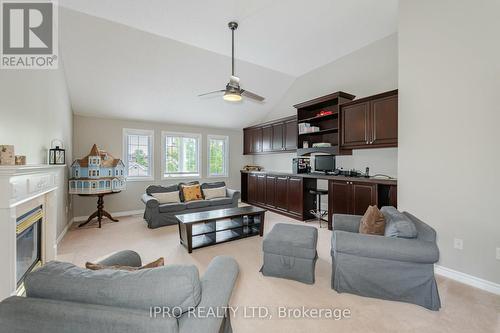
(150, 59)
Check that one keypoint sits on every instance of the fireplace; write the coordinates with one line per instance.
(28, 244)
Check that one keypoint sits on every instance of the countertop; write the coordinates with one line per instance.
(373, 180)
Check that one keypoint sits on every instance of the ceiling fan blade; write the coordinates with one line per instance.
(251, 95)
(212, 92)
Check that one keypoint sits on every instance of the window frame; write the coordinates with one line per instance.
(176, 176)
(226, 155)
(151, 145)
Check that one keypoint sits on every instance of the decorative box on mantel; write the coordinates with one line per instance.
(28, 221)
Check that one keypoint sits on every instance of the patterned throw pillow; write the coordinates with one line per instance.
(157, 263)
(191, 192)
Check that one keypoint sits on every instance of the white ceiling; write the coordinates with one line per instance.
(115, 71)
(290, 36)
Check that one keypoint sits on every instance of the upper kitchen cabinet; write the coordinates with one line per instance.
(370, 122)
(277, 136)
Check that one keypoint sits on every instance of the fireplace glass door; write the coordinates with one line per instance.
(28, 245)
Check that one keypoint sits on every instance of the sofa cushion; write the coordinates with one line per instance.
(398, 224)
(216, 192)
(220, 201)
(172, 207)
(161, 189)
(197, 204)
(167, 197)
(292, 240)
(213, 185)
(373, 222)
(194, 182)
(191, 192)
(169, 286)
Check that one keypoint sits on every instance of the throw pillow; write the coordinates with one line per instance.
(212, 193)
(373, 222)
(194, 182)
(398, 224)
(191, 192)
(157, 263)
(167, 197)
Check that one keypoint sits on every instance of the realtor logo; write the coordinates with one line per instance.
(29, 35)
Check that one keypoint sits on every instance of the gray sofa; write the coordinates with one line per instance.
(158, 215)
(64, 298)
(392, 268)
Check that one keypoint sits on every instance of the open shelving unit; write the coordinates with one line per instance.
(329, 125)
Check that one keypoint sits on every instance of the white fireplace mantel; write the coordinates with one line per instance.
(21, 188)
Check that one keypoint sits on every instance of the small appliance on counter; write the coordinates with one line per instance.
(324, 164)
(301, 165)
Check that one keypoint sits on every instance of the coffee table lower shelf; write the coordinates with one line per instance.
(197, 230)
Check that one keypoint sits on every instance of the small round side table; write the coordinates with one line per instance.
(100, 212)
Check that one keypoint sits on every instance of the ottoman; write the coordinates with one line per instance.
(290, 252)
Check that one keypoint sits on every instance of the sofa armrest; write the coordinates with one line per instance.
(234, 194)
(381, 247)
(150, 201)
(217, 285)
(123, 258)
(344, 222)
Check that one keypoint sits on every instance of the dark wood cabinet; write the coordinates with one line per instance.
(278, 136)
(355, 124)
(272, 137)
(370, 122)
(270, 190)
(261, 189)
(281, 196)
(267, 138)
(290, 137)
(252, 188)
(295, 196)
(350, 197)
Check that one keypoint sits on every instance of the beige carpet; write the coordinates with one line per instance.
(464, 309)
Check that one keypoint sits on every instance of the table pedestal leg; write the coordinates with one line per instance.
(99, 213)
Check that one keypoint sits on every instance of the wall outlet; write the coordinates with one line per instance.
(458, 244)
(498, 253)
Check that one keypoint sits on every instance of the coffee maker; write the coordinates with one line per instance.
(301, 165)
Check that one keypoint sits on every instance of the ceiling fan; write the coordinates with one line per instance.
(233, 91)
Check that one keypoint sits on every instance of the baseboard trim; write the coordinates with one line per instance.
(63, 233)
(468, 279)
(117, 214)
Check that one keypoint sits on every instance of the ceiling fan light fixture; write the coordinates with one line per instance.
(232, 96)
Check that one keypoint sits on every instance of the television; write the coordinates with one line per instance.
(324, 163)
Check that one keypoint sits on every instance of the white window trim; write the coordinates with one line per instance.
(164, 155)
(226, 155)
(151, 134)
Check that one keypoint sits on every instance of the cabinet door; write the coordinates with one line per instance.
(339, 197)
(384, 121)
(252, 188)
(355, 130)
(270, 190)
(363, 195)
(295, 200)
(267, 138)
(256, 140)
(278, 136)
(290, 138)
(281, 194)
(261, 189)
(247, 141)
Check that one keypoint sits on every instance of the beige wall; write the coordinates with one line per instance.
(367, 71)
(34, 110)
(107, 134)
(449, 81)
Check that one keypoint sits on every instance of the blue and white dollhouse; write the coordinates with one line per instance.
(97, 172)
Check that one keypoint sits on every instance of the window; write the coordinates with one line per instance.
(181, 154)
(218, 155)
(138, 154)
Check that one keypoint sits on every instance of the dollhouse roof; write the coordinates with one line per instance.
(107, 160)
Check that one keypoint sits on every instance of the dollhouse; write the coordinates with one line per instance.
(96, 173)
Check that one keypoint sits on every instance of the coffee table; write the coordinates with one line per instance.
(197, 230)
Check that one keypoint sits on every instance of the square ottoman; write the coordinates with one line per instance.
(290, 252)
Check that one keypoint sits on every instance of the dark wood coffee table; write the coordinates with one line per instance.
(197, 230)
